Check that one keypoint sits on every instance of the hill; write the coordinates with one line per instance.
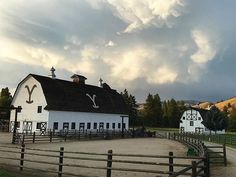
(229, 103)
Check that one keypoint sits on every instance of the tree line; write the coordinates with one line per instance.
(154, 113)
(157, 113)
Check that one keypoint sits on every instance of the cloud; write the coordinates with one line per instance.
(110, 44)
(139, 14)
(206, 48)
(162, 75)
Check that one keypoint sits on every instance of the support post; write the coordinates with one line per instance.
(194, 169)
(225, 158)
(61, 162)
(109, 163)
(34, 137)
(122, 126)
(50, 136)
(22, 155)
(171, 161)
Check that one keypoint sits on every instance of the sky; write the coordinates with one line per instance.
(181, 49)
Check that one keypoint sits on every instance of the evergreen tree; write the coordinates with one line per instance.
(173, 114)
(5, 101)
(131, 105)
(153, 110)
(216, 120)
(232, 120)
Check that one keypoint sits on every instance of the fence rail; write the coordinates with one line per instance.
(63, 162)
(70, 135)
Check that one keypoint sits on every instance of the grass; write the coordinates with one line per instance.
(3, 173)
(163, 129)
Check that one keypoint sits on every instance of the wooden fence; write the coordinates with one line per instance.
(72, 163)
(70, 135)
(228, 139)
(198, 148)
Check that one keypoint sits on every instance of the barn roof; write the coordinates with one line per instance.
(203, 112)
(62, 95)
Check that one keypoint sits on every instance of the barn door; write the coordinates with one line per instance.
(27, 127)
(43, 128)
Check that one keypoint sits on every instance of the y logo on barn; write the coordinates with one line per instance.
(93, 100)
(30, 93)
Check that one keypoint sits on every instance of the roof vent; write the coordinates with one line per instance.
(100, 84)
(79, 79)
(53, 75)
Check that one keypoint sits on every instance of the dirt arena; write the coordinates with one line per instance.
(148, 146)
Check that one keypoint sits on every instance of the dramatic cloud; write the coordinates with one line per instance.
(141, 14)
(206, 50)
(177, 48)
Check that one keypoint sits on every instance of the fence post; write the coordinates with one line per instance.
(50, 136)
(109, 163)
(34, 137)
(206, 165)
(225, 158)
(61, 162)
(194, 169)
(22, 155)
(23, 139)
(171, 160)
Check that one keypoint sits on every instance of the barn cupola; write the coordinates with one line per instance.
(53, 75)
(79, 79)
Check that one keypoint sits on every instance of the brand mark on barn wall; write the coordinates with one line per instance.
(30, 93)
(93, 100)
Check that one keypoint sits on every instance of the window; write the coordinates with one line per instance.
(81, 126)
(88, 125)
(191, 123)
(55, 125)
(38, 126)
(18, 124)
(72, 125)
(183, 118)
(107, 125)
(39, 109)
(124, 125)
(65, 125)
(95, 125)
(199, 118)
(118, 125)
(101, 125)
(113, 125)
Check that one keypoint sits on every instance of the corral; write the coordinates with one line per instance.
(147, 146)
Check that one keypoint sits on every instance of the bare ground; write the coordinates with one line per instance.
(148, 146)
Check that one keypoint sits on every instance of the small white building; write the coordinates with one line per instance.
(53, 104)
(192, 121)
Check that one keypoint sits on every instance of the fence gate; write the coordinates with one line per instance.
(27, 127)
(43, 128)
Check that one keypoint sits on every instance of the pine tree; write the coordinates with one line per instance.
(131, 105)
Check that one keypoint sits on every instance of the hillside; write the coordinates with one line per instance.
(220, 105)
(227, 103)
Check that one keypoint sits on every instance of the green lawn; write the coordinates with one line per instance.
(3, 173)
(163, 129)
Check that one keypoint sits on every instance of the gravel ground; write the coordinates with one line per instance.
(230, 169)
(148, 146)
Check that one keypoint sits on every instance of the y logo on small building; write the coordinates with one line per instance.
(93, 100)
(30, 91)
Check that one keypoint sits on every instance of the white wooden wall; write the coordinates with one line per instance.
(83, 117)
(29, 111)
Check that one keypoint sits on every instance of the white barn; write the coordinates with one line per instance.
(53, 104)
(192, 121)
